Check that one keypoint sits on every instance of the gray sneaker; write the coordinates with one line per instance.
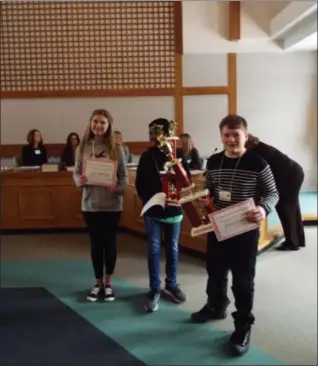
(151, 304)
(176, 293)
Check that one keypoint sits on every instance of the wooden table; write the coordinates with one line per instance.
(38, 200)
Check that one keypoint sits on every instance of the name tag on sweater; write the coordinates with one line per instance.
(225, 196)
(37, 152)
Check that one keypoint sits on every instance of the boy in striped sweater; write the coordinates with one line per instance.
(233, 176)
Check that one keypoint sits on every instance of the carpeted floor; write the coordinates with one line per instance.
(285, 303)
(163, 338)
(308, 205)
(38, 329)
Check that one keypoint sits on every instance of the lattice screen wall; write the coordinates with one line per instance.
(60, 46)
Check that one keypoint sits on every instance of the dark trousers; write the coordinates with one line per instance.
(102, 228)
(288, 210)
(237, 255)
(155, 230)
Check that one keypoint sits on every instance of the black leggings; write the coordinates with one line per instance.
(102, 228)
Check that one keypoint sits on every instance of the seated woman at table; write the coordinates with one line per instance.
(68, 153)
(34, 154)
(189, 152)
(120, 141)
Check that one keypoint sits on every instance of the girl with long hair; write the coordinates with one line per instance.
(189, 152)
(101, 206)
(119, 138)
(68, 153)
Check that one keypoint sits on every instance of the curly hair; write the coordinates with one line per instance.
(30, 137)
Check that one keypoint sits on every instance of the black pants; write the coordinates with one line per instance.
(288, 210)
(102, 228)
(237, 255)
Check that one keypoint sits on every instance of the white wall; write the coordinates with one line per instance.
(206, 26)
(206, 23)
(277, 93)
(56, 118)
(202, 113)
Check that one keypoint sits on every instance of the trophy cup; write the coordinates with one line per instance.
(180, 191)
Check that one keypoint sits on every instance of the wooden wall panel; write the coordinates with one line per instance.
(134, 86)
(234, 20)
(232, 82)
(178, 97)
(95, 48)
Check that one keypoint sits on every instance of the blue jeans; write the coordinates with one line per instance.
(154, 231)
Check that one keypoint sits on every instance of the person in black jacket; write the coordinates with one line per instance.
(34, 154)
(289, 177)
(157, 220)
(68, 153)
(189, 152)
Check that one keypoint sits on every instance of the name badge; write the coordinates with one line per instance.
(225, 196)
(37, 152)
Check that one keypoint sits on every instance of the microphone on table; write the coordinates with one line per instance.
(214, 151)
(206, 160)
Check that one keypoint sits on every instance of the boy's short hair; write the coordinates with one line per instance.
(233, 122)
(161, 122)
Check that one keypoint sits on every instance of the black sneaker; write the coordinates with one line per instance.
(176, 293)
(240, 340)
(109, 294)
(286, 247)
(151, 304)
(94, 294)
(206, 314)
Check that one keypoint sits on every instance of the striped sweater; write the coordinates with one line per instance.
(252, 178)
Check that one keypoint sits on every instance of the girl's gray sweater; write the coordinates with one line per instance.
(96, 198)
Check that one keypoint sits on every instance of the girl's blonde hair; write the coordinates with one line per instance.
(119, 134)
(108, 139)
(187, 144)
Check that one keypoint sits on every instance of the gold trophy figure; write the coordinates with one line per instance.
(194, 199)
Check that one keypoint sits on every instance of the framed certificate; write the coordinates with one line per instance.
(231, 221)
(100, 172)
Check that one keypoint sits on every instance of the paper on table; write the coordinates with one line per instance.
(196, 172)
(231, 221)
(157, 199)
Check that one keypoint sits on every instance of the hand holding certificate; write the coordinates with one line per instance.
(232, 221)
(100, 172)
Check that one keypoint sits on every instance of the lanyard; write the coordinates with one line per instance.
(236, 165)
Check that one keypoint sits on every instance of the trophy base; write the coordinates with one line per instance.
(194, 196)
(197, 206)
(200, 230)
(188, 198)
(173, 203)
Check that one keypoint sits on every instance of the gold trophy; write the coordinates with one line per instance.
(194, 199)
